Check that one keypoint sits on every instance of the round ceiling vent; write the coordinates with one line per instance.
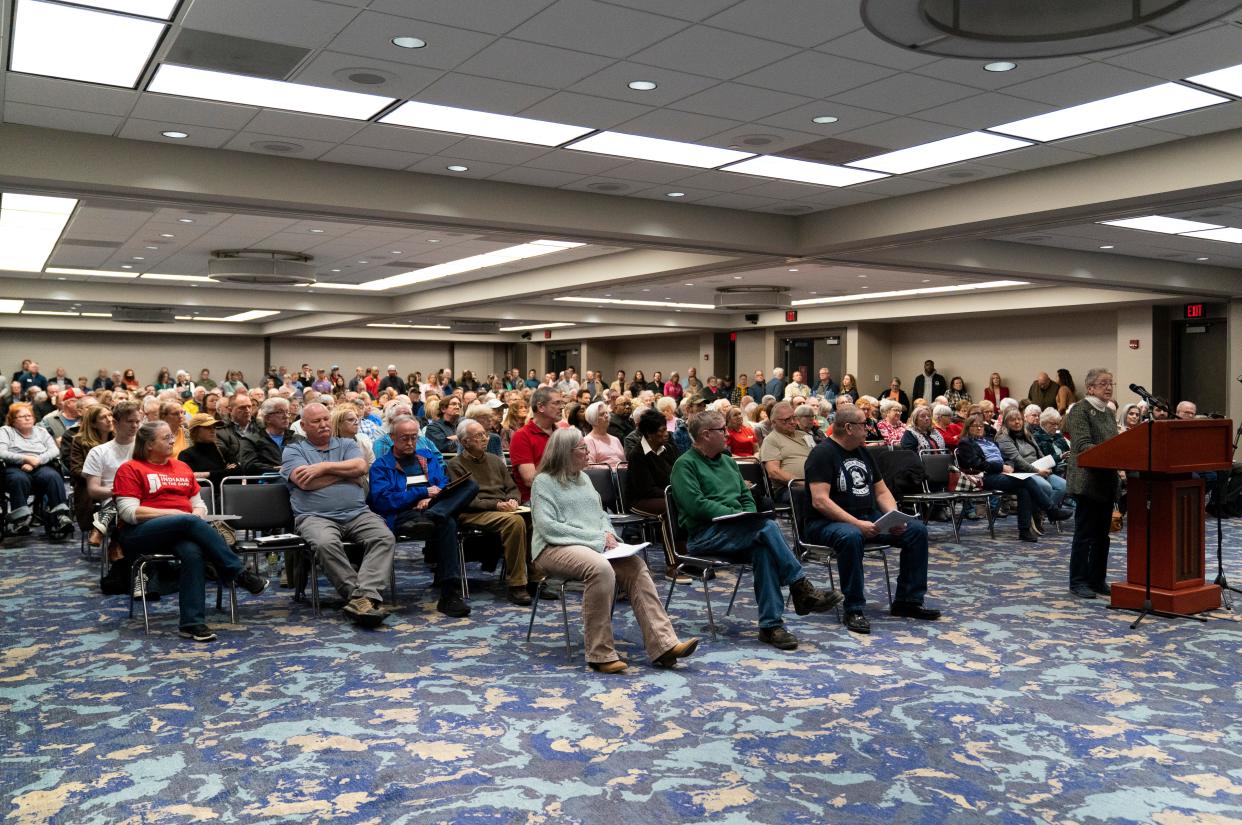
(363, 76)
(268, 267)
(1010, 29)
(278, 146)
(756, 140)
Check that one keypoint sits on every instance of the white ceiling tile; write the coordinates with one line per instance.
(961, 173)
(815, 75)
(584, 110)
(248, 141)
(484, 94)
(1035, 157)
(781, 190)
(533, 63)
(971, 72)
(370, 35)
(596, 28)
(136, 129)
(862, 45)
(800, 22)
(733, 100)
(790, 208)
(1188, 54)
(689, 194)
(715, 53)
(736, 200)
(333, 70)
(307, 23)
(403, 139)
(613, 81)
(479, 15)
(1202, 122)
(673, 125)
(903, 94)
(84, 97)
(833, 198)
(294, 125)
(897, 186)
(497, 151)
(583, 163)
(1083, 84)
(681, 9)
(899, 133)
(536, 177)
(984, 110)
(183, 110)
(438, 166)
(65, 119)
(718, 181)
(848, 118)
(640, 170)
(366, 156)
(613, 186)
(757, 137)
(1117, 140)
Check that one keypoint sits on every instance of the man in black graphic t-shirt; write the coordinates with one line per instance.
(847, 497)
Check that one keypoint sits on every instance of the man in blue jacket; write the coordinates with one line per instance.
(403, 484)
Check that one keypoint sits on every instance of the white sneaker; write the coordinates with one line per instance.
(139, 586)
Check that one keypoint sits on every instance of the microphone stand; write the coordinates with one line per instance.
(1222, 483)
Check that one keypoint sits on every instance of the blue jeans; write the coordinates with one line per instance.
(847, 540)
(774, 564)
(193, 542)
(1053, 488)
(1031, 495)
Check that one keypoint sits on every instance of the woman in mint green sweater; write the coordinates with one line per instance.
(571, 532)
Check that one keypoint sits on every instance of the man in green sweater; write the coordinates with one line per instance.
(707, 485)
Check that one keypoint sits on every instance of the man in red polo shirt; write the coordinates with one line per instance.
(528, 443)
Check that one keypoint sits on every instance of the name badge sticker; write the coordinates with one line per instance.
(416, 481)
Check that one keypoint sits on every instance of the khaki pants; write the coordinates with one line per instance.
(601, 578)
(512, 530)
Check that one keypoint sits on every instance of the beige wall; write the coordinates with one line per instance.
(869, 352)
(478, 358)
(425, 356)
(750, 352)
(84, 353)
(649, 353)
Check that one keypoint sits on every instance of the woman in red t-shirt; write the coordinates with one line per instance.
(739, 439)
(160, 511)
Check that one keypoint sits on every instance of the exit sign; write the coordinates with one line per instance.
(791, 315)
(1194, 311)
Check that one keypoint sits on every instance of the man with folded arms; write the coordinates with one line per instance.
(327, 478)
(706, 485)
(847, 497)
(495, 507)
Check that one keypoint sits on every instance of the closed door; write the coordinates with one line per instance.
(1200, 376)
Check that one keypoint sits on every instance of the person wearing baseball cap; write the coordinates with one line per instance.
(59, 421)
(392, 379)
(203, 455)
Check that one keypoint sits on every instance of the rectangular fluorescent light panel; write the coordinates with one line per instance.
(159, 9)
(470, 264)
(94, 273)
(939, 153)
(803, 171)
(30, 227)
(903, 293)
(10, 306)
(1119, 110)
(272, 94)
(1226, 234)
(658, 150)
(80, 44)
(411, 326)
(156, 276)
(634, 303)
(1158, 223)
(483, 124)
(47, 312)
(251, 315)
(536, 326)
(96, 314)
(1228, 80)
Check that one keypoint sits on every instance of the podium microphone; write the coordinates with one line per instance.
(1152, 400)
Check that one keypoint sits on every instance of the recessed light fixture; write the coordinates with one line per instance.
(658, 150)
(793, 270)
(642, 85)
(824, 119)
(10, 306)
(156, 9)
(30, 227)
(166, 235)
(185, 220)
(1106, 113)
(803, 171)
(433, 240)
(737, 277)
(1107, 246)
(315, 231)
(55, 40)
(138, 258)
(408, 42)
(999, 66)
(863, 275)
(153, 248)
(47, 312)
(1202, 259)
(395, 252)
(646, 289)
(272, 94)
(174, 135)
(364, 262)
(927, 280)
(96, 314)
(1159, 223)
(483, 124)
(674, 194)
(127, 266)
(689, 284)
(939, 153)
(95, 273)
(334, 270)
(474, 262)
(633, 303)
(457, 168)
(536, 326)
(193, 280)
(62, 279)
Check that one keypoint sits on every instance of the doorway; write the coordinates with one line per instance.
(808, 355)
(1202, 352)
(562, 357)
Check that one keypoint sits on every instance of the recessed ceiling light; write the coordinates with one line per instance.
(408, 42)
(689, 284)
(315, 231)
(334, 270)
(62, 279)
(272, 94)
(185, 220)
(862, 276)
(54, 40)
(824, 119)
(803, 171)
(96, 273)
(793, 270)
(675, 194)
(138, 258)
(927, 280)
(483, 124)
(433, 240)
(1202, 259)
(1226, 80)
(96, 314)
(364, 262)
(939, 153)
(628, 302)
(156, 9)
(646, 289)
(814, 292)
(737, 277)
(657, 150)
(10, 306)
(153, 248)
(1159, 223)
(1107, 246)
(457, 168)
(864, 287)
(496, 257)
(193, 280)
(46, 312)
(166, 235)
(1000, 66)
(642, 85)
(30, 227)
(1106, 113)
(175, 135)
(127, 266)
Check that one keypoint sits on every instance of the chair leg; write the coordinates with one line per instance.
(461, 567)
(991, 519)
(736, 585)
(953, 520)
(142, 589)
(133, 572)
(534, 608)
(314, 583)
(569, 648)
(711, 621)
(233, 604)
(888, 581)
(672, 585)
(392, 581)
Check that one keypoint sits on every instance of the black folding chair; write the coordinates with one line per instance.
(605, 484)
(701, 564)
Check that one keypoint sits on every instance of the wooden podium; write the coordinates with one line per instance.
(1161, 457)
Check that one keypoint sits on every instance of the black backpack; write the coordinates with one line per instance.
(1228, 503)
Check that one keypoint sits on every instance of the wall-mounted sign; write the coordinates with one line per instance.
(1194, 311)
(791, 315)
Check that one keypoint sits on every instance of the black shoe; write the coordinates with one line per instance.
(452, 604)
(1082, 591)
(778, 637)
(1102, 588)
(807, 599)
(252, 581)
(63, 527)
(1059, 514)
(197, 632)
(1028, 536)
(910, 610)
(857, 622)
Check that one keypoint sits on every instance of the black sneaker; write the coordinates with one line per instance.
(857, 622)
(452, 604)
(778, 637)
(197, 633)
(1028, 537)
(1082, 591)
(911, 610)
(252, 581)
(1102, 588)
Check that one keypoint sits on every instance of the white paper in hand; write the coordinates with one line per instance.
(891, 519)
(622, 551)
(1044, 463)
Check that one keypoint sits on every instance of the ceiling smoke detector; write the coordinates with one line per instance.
(752, 298)
(268, 267)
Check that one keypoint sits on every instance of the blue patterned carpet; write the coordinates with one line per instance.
(1026, 705)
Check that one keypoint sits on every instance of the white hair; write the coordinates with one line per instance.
(1031, 408)
(941, 410)
(463, 428)
(1008, 402)
(888, 404)
(1051, 414)
(593, 411)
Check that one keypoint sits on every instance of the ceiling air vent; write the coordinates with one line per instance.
(748, 298)
(261, 266)
(474, 327)
(143, 315)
